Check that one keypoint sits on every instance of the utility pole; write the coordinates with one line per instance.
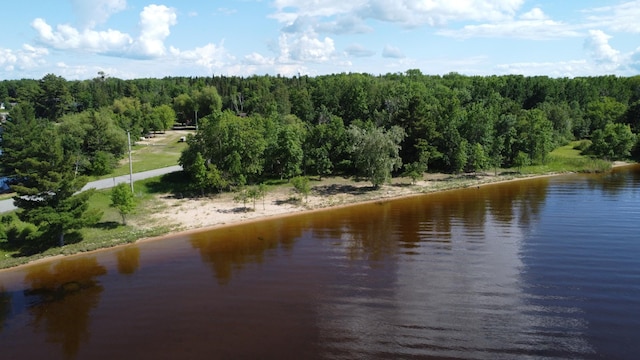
(130, 163)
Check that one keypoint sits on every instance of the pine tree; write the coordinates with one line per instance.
(47, 189)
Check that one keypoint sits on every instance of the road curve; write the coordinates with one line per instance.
(7, 205)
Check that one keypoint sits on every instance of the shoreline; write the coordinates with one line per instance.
(235, 218)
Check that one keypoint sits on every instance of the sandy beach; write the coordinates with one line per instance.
(197, 214)
(189, 215)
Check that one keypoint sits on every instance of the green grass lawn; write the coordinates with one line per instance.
(162, 151)
(568, 159)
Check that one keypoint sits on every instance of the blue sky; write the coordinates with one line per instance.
(141, 38)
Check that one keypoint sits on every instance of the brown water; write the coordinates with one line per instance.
(544, 268)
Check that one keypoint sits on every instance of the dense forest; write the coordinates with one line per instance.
(252, 128)
(450, 123)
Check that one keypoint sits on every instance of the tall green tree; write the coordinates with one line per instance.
(47, 186)
(234, 145)
(535, 134)
(376, 152)
(129, 115)
(165, 117)
(55, 99)
(284, 153)
(93, 140)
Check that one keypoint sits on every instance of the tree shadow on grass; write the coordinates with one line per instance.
(31, 243)
(106, 225)
(175, 183)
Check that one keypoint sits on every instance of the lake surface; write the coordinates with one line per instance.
(544, 268)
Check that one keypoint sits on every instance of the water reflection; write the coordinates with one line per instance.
(128, 260)
(438, 276)
(60, 299)
(229, 249)
(5, 306)
(617, 181)
(475, 273)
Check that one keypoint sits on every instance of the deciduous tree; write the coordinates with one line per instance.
(123, 200)
(376, 152)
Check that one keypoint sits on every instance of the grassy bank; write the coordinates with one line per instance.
(568, 159)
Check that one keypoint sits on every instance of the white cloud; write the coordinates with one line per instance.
(258, 59)
(408, 13)
(358, 50)
(534, 14)
(620, 18)
(440, 12)
(601, 51)
(155, 27)
(305, 47)
(66, 37)
(26, 58)
(532, 25)
(95, 12)
(323, 8)
(210, 57)
(392, 52)
(345, 25)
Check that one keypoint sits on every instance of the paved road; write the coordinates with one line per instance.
(7, 205)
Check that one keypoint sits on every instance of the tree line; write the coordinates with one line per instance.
(253, 128)
(453, 122)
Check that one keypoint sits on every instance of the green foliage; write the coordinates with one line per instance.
(376, 152)
(603, 111)
(284, 151)
(94, 141)
(123, 200)
(521, 160)
(242, 195)
(261, 192)
(103, 163)
(162, 118)
(256, 192)
(446, 116)
(613, 143)
(582, 145)
(54, 98)
(302, 186)
(129, 115)
(198, 172)
(535, 134)
(233, 144)
(48, 185)
(415, 171)
(477, 158)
